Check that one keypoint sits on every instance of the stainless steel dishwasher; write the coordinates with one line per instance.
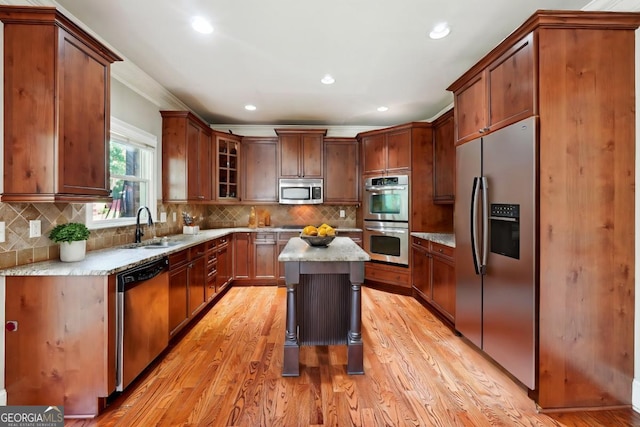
(142, 318)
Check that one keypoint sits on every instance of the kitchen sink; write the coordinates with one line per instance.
(151, 244)
(160, 245)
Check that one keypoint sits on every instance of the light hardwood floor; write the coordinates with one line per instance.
(226, 371)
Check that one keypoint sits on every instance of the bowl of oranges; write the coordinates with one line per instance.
(318, 236)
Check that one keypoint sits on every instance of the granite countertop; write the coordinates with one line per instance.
(340, 249)
(447, 239)
(113, 260)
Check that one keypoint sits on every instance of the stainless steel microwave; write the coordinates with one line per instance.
(300, 191)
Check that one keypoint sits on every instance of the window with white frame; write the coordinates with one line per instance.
(132, 161)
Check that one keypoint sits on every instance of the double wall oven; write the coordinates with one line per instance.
(386, 218)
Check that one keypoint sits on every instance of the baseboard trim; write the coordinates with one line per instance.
(635, 395)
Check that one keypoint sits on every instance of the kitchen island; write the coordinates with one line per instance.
(323, 299)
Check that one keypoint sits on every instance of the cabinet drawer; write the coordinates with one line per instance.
(417, 241)
(178, 258)
(265, 237)
(199, 250)
(442, 250)
(222, 241)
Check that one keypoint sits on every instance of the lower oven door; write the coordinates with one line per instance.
(387, 241)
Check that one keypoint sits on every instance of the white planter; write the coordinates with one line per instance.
(73, 251)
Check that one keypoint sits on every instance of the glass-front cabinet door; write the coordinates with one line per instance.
(228, 150)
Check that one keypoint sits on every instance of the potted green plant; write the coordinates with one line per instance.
(72, 237)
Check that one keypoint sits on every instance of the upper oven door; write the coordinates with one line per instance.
(386, 198)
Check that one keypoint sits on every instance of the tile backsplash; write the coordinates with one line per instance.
(18, 248)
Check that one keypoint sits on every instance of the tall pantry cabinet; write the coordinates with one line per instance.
(575, 71)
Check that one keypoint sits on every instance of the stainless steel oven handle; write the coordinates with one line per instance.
(502, 218)
(386, 230)
(384, 187)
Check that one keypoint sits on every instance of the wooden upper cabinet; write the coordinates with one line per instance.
(341, 170)
(186, 164)
(471, 109)
(227, 164)
(444, 159)
(301, 152)
(398, 150)
(374, 153)
(259, 171)
(387, 151)
(498, 95)
(511, 84)
(56, 98)
(198, 164)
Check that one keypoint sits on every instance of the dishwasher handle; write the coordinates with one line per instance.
(129, 278)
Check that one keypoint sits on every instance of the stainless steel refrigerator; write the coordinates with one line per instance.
(495, 229)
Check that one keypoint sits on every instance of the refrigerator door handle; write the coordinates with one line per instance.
(485, 225)
(474, 221)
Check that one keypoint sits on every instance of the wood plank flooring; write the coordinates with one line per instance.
(226, 371)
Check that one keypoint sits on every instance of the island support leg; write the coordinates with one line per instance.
(355, 346)
(291, 362)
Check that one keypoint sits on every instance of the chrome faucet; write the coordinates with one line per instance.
(139, 232)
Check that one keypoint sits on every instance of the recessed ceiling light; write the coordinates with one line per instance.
(250, 107)
(440, 30)
(328, 79)
(382, 108)
(201, 25)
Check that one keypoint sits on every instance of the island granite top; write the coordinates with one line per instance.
(340, 249)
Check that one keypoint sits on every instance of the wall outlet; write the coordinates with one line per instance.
(163, 217)
(3, 238)
(175, 217)
(34, 228)
(342, 213)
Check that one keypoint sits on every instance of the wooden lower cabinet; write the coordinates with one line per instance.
(421, 270)
(178, 291)
(211, 259)
(433, 276)
(188, 285)
(225, 266)
(256, 258)
(241, 257)
(265, 259)
(63, 350)
(388, 277)
(197, 279)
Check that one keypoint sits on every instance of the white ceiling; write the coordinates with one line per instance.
(274, 53)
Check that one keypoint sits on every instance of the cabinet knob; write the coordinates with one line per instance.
(11, 325)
